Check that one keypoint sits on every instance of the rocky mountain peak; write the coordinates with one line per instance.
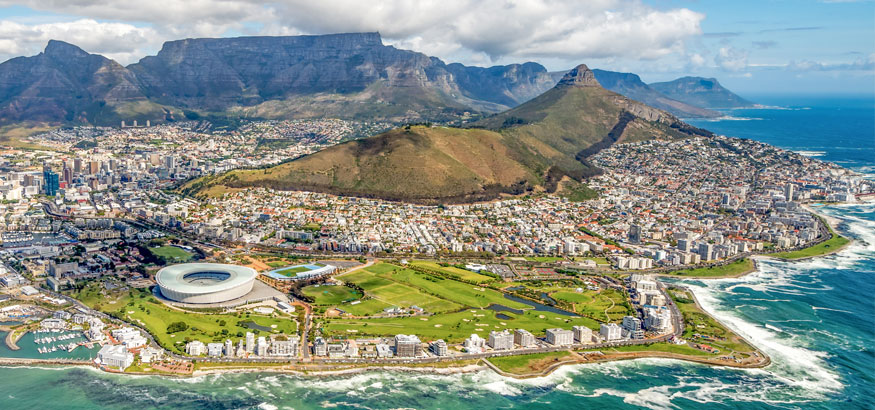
(57, 48)
(580, 76)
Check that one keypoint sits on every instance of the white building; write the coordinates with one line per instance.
(284, 348)
(150, 354)
(439, 348)
(582, 334)
(560, 337)
(657, 320)
(195, 348)
(115, 356)
(500, 340)
(215, 349)
(474, 344)
(611, 332)
(523, 338)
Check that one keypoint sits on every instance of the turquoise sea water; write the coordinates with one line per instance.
(815, 318)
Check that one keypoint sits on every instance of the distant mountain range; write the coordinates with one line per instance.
(542, 145)
(340, 75)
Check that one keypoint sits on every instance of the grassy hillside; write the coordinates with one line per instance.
(536, 146)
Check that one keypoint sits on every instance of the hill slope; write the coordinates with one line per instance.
(64, 83)
(701, 92)
(528, 148)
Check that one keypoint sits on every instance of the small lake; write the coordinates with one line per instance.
(539, 306)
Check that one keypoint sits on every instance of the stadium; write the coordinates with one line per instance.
(298, 272)
(203, 283)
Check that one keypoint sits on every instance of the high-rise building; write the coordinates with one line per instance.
(229, 348)
(500, 340)
(635, 234)
(439, 347)
(50, 181)
(77, 166)
(582, 334)
(407, 346)
(632, 325)
(250, 342)
(560, 337)
(523, 338)
(68, 175)
(789, 191)
(611, 331)
(706, 251)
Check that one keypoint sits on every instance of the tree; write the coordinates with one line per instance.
(177, 327)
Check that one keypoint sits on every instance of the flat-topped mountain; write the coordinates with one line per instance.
(701, 92)
(353, 76)
(533, 147)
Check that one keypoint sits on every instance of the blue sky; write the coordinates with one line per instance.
(752, 47)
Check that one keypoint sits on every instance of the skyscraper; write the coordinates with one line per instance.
(50, 181)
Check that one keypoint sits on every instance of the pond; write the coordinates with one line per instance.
(539, 306)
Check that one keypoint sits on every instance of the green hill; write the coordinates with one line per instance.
(532, 147)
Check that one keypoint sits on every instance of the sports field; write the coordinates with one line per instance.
(171, 253)
(330, 295)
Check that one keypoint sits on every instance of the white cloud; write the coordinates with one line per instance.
(119, 41)
(731, 59)
(468, 30)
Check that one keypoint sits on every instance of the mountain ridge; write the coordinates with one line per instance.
(533, 147)
(347, 75)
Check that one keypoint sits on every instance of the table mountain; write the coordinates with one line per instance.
(533, 147)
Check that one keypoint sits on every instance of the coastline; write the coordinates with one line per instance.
(582, 356)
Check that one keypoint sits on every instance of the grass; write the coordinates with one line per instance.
(393, 293)
(13, 135)
(458, 292)
(171, 253)
(141, 308)
(830, 245)
(700, 327)
(330, 295)
(607, 305)
(528, 363)
(659, 347)
(463, 274)
(294, 271)
(544, 259)
(453, 327)
(734, 268)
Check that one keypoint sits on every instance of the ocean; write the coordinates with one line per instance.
(815, 318)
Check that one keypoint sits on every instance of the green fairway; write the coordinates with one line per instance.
(453, 271)
(734, 268)
(330, 295)
(141, 308)
(454, 327)
(171, 253)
